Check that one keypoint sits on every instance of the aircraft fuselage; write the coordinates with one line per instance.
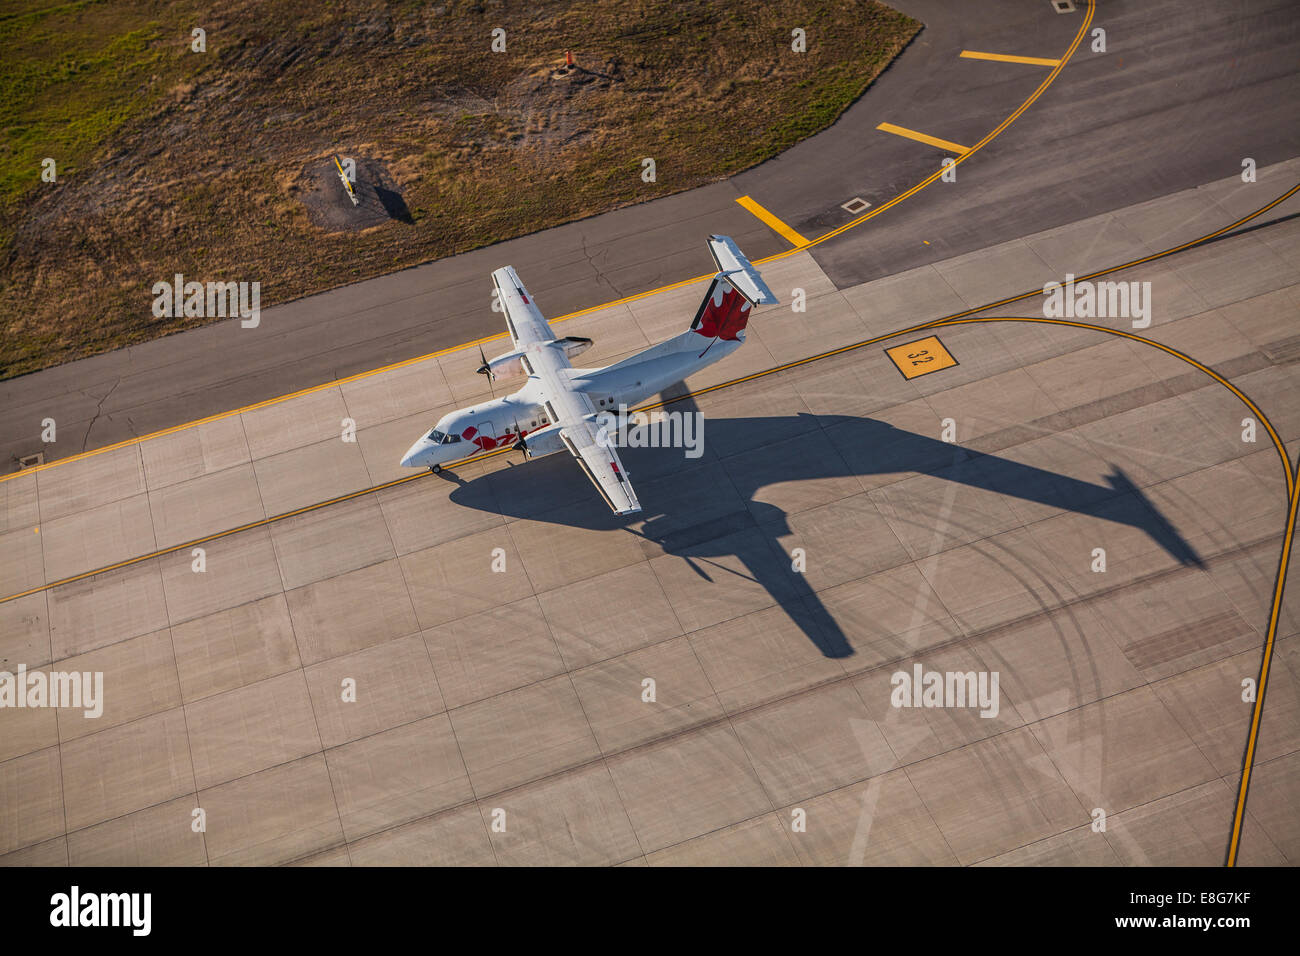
(500, 422)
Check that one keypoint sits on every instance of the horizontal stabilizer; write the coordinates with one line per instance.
(738, 271)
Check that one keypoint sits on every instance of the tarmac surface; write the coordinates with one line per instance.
(1182, 94)
(347, 679)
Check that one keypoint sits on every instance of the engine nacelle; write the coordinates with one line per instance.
(543, 441)
(512, 363)
(574, 345)
(503, 366)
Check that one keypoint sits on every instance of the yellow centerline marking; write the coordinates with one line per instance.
(786, 233)
(962, 319)
(1008, 58)
(1001, 127)
(1248, 763)
(924, 138)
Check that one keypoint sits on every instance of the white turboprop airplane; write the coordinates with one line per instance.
(558, 407)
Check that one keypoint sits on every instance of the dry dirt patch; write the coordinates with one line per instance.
(217, 165)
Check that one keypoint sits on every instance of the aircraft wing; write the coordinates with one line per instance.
(524, 320)
(574, 415)
(601, 464)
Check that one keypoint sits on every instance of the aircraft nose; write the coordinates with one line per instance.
(412, 457)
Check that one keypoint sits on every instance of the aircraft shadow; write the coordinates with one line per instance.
(682, 517)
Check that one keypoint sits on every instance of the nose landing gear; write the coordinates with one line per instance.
(435, 469)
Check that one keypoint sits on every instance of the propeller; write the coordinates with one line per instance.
(520, 444)
(486, 369)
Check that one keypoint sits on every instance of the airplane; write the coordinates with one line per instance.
(560, 408)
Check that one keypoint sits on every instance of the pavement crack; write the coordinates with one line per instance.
(591, 261)
(99, 409)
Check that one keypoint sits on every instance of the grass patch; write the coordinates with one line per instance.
(175, 161)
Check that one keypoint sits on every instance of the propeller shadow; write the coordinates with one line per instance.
(702, 529)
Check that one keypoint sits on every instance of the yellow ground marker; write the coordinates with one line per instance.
(347, 183)
(924, 138)
(1008, 58)
(788, 234)
(921, 357)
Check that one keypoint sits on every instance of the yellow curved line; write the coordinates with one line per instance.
(1042, 88)
(1277, 440)
(1248, 762)
(1293, 499)
(963, 319)
(1150, 258)
(125, 443)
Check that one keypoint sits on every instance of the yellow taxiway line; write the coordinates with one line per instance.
(926, 138)
(1248, 762)
(960, 319)
(786, 233)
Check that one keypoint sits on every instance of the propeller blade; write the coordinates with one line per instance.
(485, 369)
(520, 444)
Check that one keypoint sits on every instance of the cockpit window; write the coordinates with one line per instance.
(437, 437)
(450, 439)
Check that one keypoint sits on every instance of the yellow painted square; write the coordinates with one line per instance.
(921, 357)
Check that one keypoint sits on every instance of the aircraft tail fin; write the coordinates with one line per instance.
(735, 290)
